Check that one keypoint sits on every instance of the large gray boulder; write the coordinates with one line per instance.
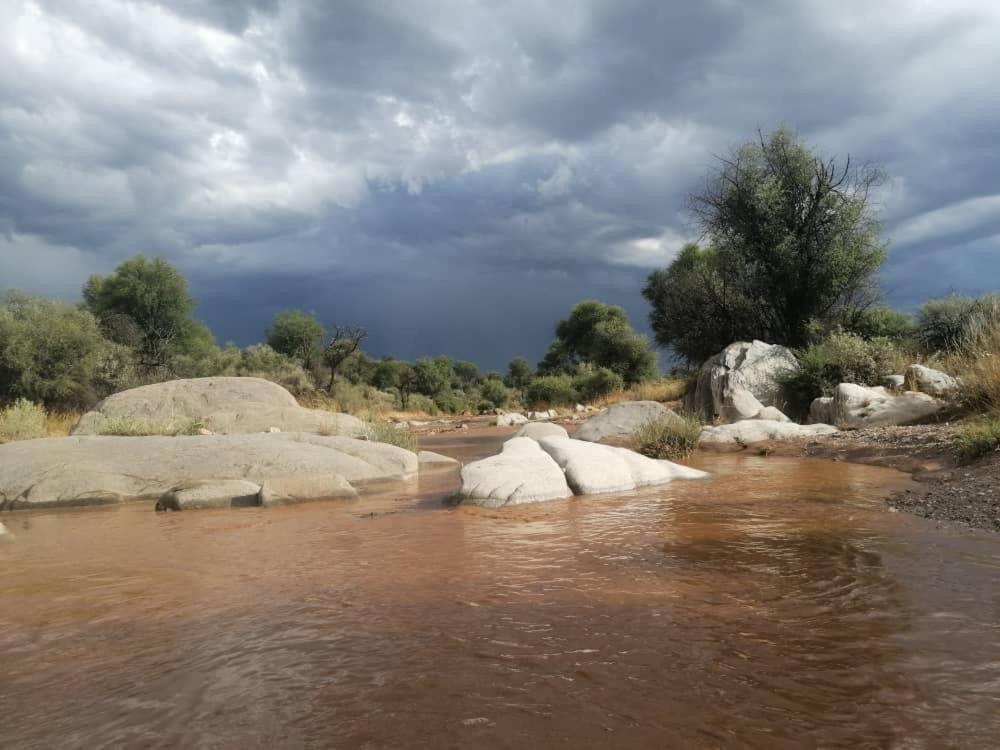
(83, 470)
(742, 379)
(856, 406)
(223, 406)
(539, 430)
(290, 490)
(758, 430)
(521, 473)
(930, 381)
(208, 493)
(621, 420)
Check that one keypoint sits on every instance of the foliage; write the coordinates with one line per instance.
(386, 433)
(978, 361)
(792, 239)
(978, 439)
(50, 352)
(130, 427)
(662, 390)
(418, 402)
(296, 334)
(879, 322)
(465, 374)
(344, 342)
(452, 402)
(839, 358)
(432, 376)
(359, 369)
(519, 373)
(943, 324)
(494, 394)
(22, 420)
(145, 305)
(671, 436)
(601, 336)
(595, 384)
(386, 373)
(552, 390)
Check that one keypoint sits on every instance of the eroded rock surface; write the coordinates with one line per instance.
(758, 430)
(930, 381)
(856, 406)
(521, 473)
(210, 493)
(741, 380)
(621, 420)
(539, 430)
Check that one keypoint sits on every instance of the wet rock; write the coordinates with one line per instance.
(435, 459)
(224, 406)
(5, 534)
(856, 406)
(539, 430)
(210, 493)
(759, 430)
(930, 381)
(621, 420)
(521, 473)
(290, 490)
(741, 380)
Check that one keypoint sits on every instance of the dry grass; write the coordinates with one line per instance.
(22, 420)
(663, 390)
(671, 436)
(978, 363)
(385, 433)
(128, 427)
(978, 439)
(59, 423)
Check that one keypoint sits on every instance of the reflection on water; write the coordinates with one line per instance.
(775, 605)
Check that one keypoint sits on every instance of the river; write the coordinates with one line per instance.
(776, 605)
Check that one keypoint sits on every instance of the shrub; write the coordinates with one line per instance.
(130, 427)
(978, 361)
(551, 390)
(494, 393)
(418, 402)
(386, 433)
(943, 324)
(452, 402)
(598, 383)
(979, 439)
(840, 358)
(22, 420)
(670, 436)
(880, 322)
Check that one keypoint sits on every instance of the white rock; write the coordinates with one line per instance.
(522, 473)
(821, 410)
(210, 493)
(538, 430)
(590, 468)
(858, 406)
(895, 382)
(5, 534)
(580, 408)
(931, 381)
(289, 490)
(510, 420)
(772, 414)
(759, 430)
(435, 459)
(621, 420)
(741, 380)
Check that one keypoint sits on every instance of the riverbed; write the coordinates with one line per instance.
(777, 604)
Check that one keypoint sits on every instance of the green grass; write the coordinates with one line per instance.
(671, 436)
(130, 427)
(979, 439)
(22, 420)
(386, 433)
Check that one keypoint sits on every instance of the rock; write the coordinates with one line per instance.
(225, 406)
(273, 429)
(203, 431)
(5, 534)
(580, 408)
(593, 469)
(621, 420)
(859, 406)
(759, 430)
(771, 414)
(510, 420)
(741, 380)
(522, 473)
(102, 469)
(435, 459)
(538, 430)
(930, 381)
(289, 490)
(821, 410)
(210, 493)
(895, 382)
(541, 415)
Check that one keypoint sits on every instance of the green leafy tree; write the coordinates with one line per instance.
(344, 342)
(494, 393)
(145, 305)
(50, 352)
(519, 373)
(298, 335)
(466, 374)
(407, 384)
(793, 239)
(386, 373)
(599, 335)
(432, 375)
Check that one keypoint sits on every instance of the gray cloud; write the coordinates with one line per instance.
(455, 174)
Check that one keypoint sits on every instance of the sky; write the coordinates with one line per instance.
(454, 175)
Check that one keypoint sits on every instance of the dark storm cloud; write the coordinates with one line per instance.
(456, 174)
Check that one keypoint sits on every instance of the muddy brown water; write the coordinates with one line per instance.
(775, 605)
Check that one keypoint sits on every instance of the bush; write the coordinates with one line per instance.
(493, 394)
(420, 403)
(451, 402)
(670, 436)
(880, 322)
(839, 358)
(386, 433)
(979, 439)
(943, 324)
(978, 362)
(551, 390)
(598, 384)
(22, 420)
(129, 427)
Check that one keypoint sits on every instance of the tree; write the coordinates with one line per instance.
(407, 385)
(50, 352)
(599, 335)
(298, 335)
(145, 305)
(387, 373)
(344, 341)
(432, 376)
(519, 373)
(793, 240)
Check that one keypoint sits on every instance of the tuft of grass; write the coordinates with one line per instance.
(59, 423)
(130, 427)
(978, 362)
(670, 436)
(386, 433)
(978, 439)
(22, 420)
(664, 390)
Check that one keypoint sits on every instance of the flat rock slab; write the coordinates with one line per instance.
(430, 458)
(223, 406)
(292, 490)
(621, 420)
(758, 430)
(539, 430)
(207, 493)
(521, 473)
(85, 470)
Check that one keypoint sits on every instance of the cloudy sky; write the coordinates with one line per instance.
(455, 174)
